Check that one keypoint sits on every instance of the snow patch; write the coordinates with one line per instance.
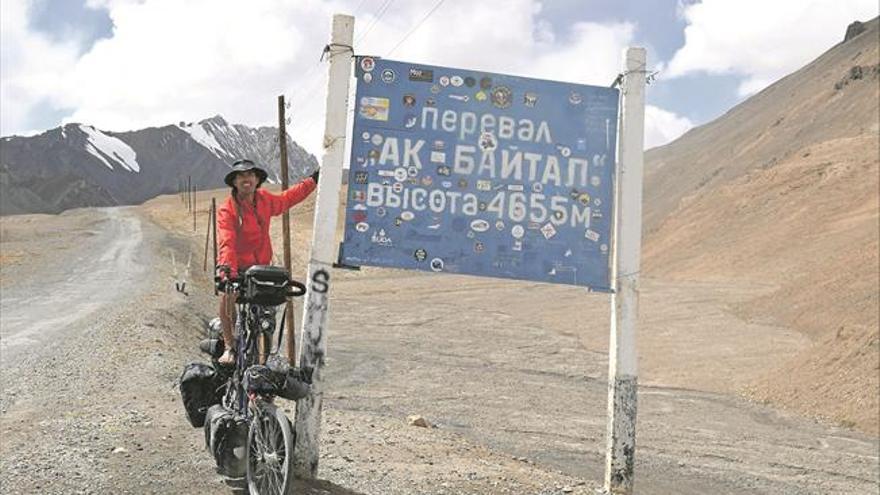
(206, 139)
(101, 145)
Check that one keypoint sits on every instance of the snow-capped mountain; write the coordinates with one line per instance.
(78, 165)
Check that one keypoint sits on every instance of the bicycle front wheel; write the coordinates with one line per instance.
(270, 452)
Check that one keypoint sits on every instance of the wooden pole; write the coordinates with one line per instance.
(322, 254)
(285, 228)
(189, 193)
(622, 359)
(194, 207)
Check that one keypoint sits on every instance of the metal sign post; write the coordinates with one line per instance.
(314, 326)
(622, 359)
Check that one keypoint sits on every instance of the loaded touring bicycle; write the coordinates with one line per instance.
(248, 435)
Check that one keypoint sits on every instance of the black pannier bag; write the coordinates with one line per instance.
(265, 285)
(226, 439)
(290, 383)
(199, 391)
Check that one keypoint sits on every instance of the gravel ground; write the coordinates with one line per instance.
(516, 406)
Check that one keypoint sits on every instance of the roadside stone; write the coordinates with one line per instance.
(418, 420)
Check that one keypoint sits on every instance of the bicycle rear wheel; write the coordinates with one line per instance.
(270, 452)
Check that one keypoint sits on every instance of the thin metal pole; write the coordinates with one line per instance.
(208, 237)
(189, 192)
(214, 232)
(314, 327)
(285, 228)
(622, 359)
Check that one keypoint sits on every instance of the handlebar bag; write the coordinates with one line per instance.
(199, 391)
(266, 285)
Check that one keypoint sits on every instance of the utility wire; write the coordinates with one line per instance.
(417, 26)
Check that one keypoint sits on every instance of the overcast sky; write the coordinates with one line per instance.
(128, 64)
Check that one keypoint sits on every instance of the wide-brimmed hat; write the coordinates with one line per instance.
(244, 166)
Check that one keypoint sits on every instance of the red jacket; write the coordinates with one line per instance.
(243, 232)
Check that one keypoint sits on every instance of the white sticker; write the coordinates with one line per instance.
(517, 231)
(456, 81)
(386, 173)
(376, 139)
(400, 174)
(407, 216)
(362, 227)
(444, 81)
(479, 225)
(438, 157)
(548, 230)
(515, 187)
(592, 235)
(595, 180)
(365, 135)
(484, 185)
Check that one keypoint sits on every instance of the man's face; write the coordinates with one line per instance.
(246, 182)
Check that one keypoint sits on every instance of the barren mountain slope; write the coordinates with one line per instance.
(783, 190)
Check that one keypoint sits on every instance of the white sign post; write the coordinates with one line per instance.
(314, 326)
(622, 358)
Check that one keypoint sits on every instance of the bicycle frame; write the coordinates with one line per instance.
(254, 343)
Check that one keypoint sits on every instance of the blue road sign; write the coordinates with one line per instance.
(470, 172)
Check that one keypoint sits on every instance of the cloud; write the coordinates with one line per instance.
(168, 61)
(32, 66)
(761, 40)
(662, 126)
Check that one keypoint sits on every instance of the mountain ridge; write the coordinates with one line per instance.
(78, 165)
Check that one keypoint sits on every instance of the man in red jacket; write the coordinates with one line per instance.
(243, 231)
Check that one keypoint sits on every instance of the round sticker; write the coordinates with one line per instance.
(470, 81)
(362, 227)
(365, 135)
(486, 83)
(380, 211)
(376, 139)
(444, 81)
(388, 76)
(456, 81)
(420, 254)
(435, 89)
(517, 231)
(437, 265)
(368, 64)
(412, 171)
(565, 151)
(368, 77)
(400, 174)
(407, 216)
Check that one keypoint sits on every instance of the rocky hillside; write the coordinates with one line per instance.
(782, 191)
(77, 165)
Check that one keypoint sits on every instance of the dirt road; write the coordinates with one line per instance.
(511, 374)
